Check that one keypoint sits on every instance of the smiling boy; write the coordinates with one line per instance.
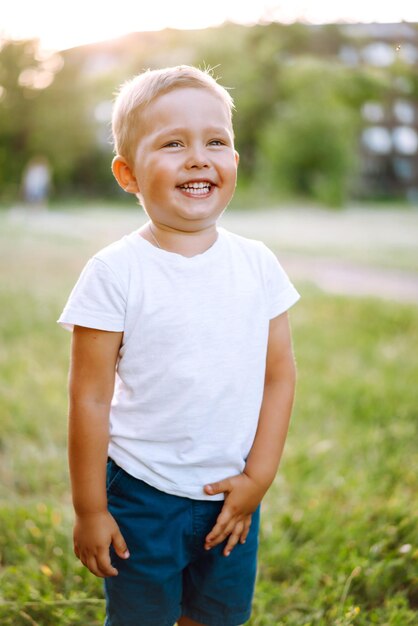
(182, 373)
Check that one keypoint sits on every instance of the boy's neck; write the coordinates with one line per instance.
(187, 244)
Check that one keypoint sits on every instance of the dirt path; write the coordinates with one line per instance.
(347, 278)
(346, 252)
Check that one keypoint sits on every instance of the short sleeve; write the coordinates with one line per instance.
(281, 293)
(97, 300)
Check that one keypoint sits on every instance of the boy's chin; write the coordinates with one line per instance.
(187, 220)
(200, 212)
(196, 222)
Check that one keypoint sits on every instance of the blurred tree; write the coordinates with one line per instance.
(21, 77)
(44, 110)
(25, 74)
(64, 124)
(309, 147)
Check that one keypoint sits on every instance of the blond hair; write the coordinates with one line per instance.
(136, 94)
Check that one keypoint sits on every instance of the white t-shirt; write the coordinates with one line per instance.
(190, 374)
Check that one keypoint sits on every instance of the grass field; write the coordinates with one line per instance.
(339, 540)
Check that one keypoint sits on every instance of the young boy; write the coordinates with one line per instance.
(182, 374)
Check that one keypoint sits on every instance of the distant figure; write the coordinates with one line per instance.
(36, 182)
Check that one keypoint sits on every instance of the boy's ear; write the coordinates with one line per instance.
(236, 158)
(124, 175)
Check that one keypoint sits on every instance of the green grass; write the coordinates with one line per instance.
(339, 539)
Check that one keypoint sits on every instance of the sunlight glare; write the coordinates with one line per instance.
(61, 25)
(65, 24)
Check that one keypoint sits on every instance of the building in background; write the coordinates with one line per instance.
(389, 137)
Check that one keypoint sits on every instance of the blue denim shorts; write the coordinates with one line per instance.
(168, 573)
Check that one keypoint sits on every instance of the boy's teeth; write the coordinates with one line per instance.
(195, 185)
(198, 187)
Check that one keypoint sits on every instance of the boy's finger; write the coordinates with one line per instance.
(233, 539)
(222, 523)
(219, 533)
(91, 565)
(104, 564)
(247, 525)
(223, 486)
(120, 546)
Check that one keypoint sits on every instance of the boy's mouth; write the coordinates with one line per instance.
(196, 188)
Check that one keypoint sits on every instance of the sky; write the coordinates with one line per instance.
(61, 24)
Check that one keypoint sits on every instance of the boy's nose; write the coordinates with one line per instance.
(197, 158)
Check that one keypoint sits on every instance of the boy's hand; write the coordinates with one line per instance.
(93, 535)
(242, 497)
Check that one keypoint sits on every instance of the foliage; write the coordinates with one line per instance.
(45, 109)
(19, 68)
(339, 540)
(308, 147)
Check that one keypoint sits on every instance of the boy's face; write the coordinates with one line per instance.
(185, 163)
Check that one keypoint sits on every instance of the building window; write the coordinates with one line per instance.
(404, 111)
(403, 168)
(349, 55)
(379, 54)
(373, 112)
(405, 140)
(377, 139)
(408, 53)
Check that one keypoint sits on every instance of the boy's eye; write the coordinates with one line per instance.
(216, 142)
(172, 144)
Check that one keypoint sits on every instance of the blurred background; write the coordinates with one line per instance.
(325, 111)
(327, 129)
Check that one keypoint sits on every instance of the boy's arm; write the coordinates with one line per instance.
(244, 492)
(92, 374)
